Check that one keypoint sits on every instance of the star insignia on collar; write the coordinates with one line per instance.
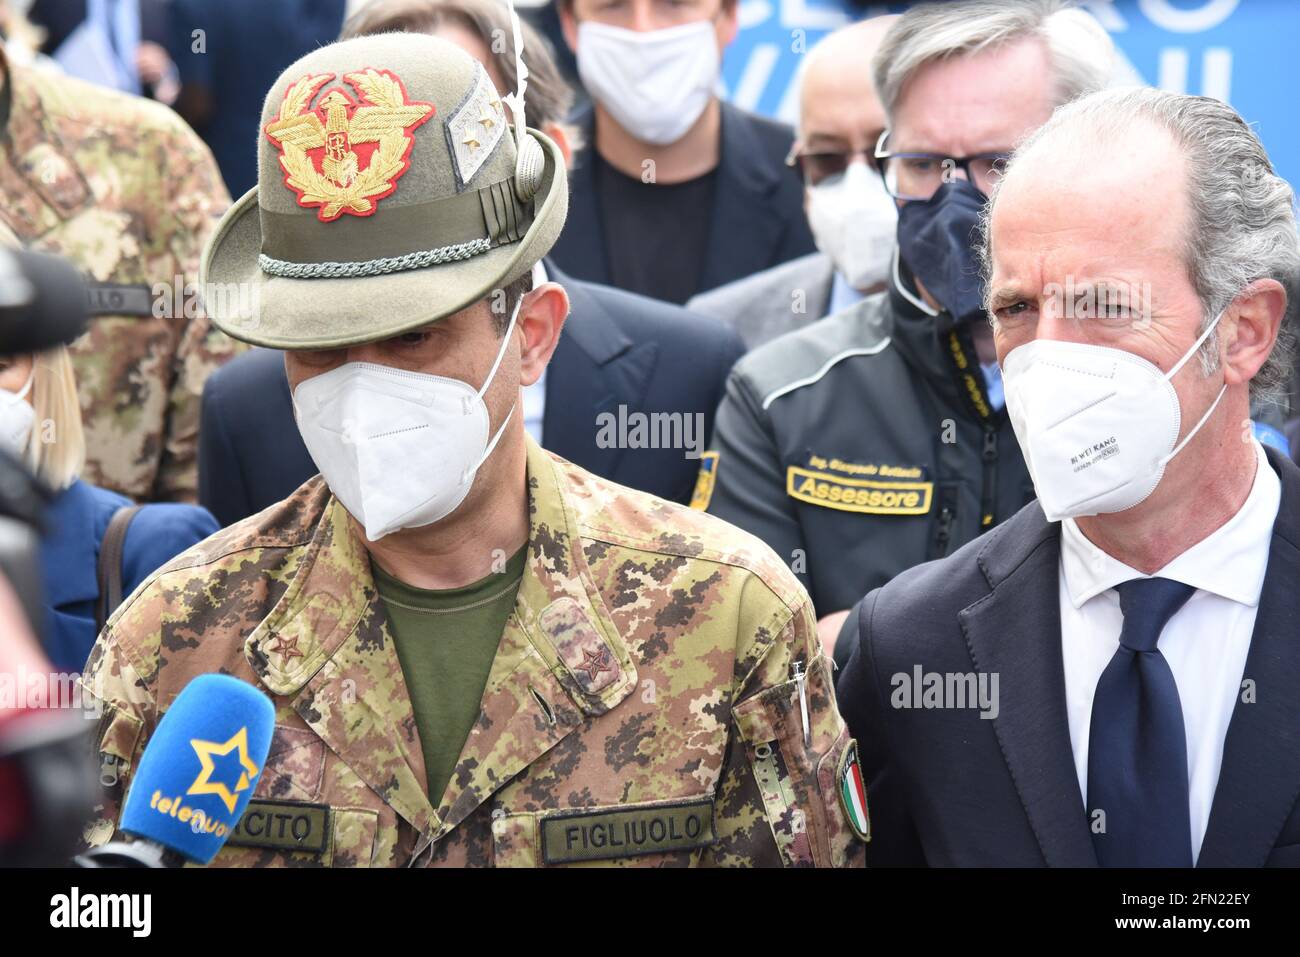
(487, 121)
(594, 662)
(286, 648)
(471, 142)
(204, 784)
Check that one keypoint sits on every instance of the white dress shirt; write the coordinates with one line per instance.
(997, 392)
(1205, 642)
(535, 395)
(535, 408)
(843, 295)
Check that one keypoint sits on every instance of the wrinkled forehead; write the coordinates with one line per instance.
(975, 102)
(1119, 189)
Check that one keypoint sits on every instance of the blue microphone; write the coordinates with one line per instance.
(197, 773)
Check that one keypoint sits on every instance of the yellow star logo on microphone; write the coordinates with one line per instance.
(204, 784)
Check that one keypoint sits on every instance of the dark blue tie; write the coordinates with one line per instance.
(1137, 745)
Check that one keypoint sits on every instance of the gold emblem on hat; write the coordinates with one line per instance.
(318, 146)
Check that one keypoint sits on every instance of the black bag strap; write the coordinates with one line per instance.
(108, 572)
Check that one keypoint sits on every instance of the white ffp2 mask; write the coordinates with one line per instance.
(16, 418)
(1097, 425)
(854, 220)
(399, 449)
(655, 83)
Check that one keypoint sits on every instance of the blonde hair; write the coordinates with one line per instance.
(56, 449)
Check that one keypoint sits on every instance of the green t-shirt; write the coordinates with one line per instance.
(445, 641)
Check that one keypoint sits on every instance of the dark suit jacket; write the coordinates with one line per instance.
(949, 788)
(617, 349)
(757, 222)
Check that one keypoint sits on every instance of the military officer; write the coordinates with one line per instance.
(128, 193)
(479, 653)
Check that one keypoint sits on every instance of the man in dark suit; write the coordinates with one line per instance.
(673, 191)
(617, 352)
(1112, 676)
(246, 45)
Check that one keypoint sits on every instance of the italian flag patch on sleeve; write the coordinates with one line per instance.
(705, 481)
(853, 793)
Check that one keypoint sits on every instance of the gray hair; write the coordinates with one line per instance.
(1243, 220)
(1080, 50)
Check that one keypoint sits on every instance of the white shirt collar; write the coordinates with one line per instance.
(897, 279)
(843, 295)
(1229, 562)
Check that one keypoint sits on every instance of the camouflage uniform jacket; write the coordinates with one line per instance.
(646, 669)
(127, 192)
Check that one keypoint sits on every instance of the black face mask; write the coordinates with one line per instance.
(936, 239)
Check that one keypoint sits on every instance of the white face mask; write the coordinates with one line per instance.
(1097, 425)
(854, 221)
(398, 449)
(16, 418)
(655, 83)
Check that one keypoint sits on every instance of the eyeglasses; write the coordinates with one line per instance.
(918, 176)
(815, 167)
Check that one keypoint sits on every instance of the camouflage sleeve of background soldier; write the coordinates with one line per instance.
(119, 682)
(781, 800)
(196, 198)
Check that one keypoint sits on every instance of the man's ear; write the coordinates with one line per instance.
(728, 24)
(1259, 310)
(568, 23)
(558, 134)
(541, 318)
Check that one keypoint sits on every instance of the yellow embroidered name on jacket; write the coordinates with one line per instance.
(858, 495)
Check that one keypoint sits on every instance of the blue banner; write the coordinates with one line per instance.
(1234, 50)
